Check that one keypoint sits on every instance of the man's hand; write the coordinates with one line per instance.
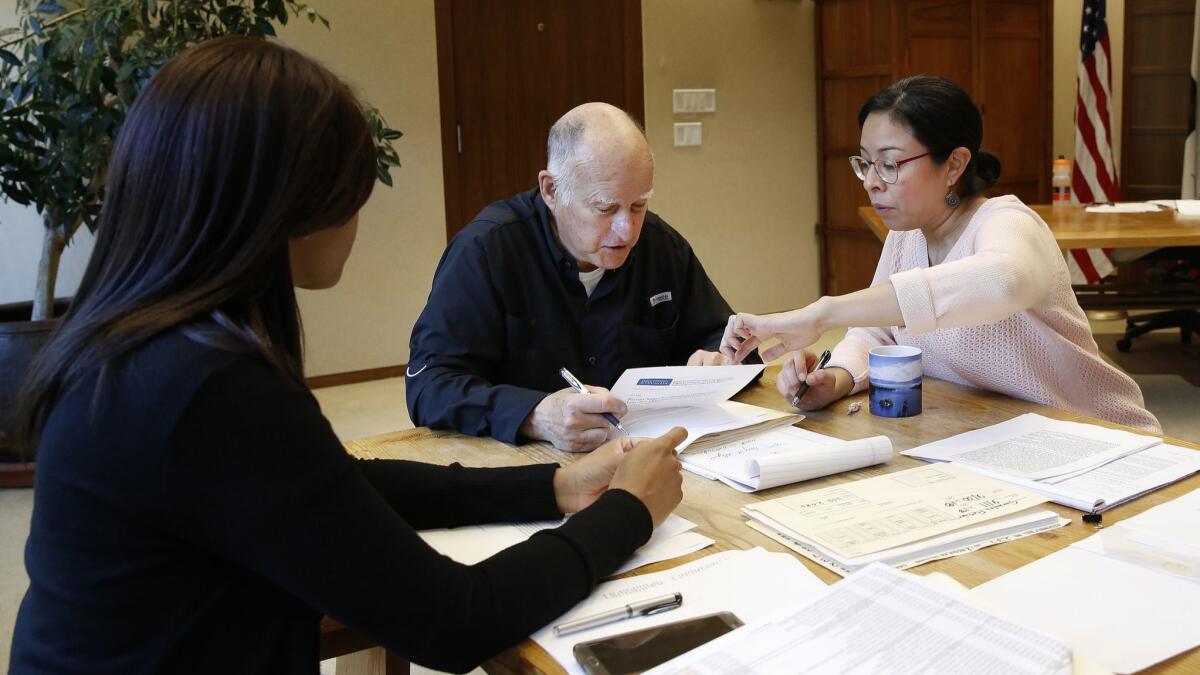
(652, 473)
(703, 358)
(824, 386)
(573, 422)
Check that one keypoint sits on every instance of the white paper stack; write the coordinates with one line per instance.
(1126, 597)
(783, 456)
(1083, 466)
(878, 621)
(475, 543)
(901, 519)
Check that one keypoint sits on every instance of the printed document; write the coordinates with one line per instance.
(783, 456)
(1125, 597)
(875, 514)
(751, 584)
(695, 398)
(1035, 448)
(475, 543)
(1084, 466)
(879, 620)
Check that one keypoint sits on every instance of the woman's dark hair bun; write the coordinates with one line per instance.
(987, 169)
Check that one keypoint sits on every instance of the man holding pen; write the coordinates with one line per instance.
(577, 274)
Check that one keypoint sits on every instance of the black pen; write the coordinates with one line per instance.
(580, 389)
(804, 385)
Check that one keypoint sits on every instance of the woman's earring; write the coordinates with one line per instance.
(952, 199)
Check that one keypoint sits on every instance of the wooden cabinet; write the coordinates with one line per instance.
(999, 51)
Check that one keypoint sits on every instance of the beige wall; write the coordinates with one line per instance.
(388, 52)
(746, 198)
(1067, 20)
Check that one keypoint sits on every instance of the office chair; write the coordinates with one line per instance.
(1176, 268)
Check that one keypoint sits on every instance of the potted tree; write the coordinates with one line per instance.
(68, 75)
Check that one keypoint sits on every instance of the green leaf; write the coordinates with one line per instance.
(36, 26)
(10, 58)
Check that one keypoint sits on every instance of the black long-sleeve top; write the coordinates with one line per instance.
(507, 310)
(197, 514)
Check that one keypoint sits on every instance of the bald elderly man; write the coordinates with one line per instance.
(574, 273)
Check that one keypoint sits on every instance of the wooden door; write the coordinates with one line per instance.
(508, 70)
(1158, 97)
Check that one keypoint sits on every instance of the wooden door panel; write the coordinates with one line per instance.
(851, 260)
(948, 57)
(508, 70)
(938, 17)
(1013, 17)
(855, 34)
(844, 194)
(1015, 117)
(843, 97)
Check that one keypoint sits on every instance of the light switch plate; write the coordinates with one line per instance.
(687, 133)
(694, 100)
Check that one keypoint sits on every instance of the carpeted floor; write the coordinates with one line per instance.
(1157, 353)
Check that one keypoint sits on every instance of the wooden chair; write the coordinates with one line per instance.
(356, 653)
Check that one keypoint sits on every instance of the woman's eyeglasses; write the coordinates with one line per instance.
(888, 170)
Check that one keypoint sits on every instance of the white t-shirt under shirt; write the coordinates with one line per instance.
(591, 279)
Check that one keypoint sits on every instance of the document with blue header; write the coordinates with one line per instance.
(697, 399)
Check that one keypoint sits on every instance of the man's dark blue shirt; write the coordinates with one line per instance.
(507, 310)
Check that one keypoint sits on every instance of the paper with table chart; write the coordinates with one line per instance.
(875, 514)
(695, 398)
(784, 456)
(751, 584)
(1126, 596)
(879, 620)
(1093, 468)
(475, 543)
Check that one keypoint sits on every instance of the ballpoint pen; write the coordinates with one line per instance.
(664, 603)
(804, 385)
(580, 389)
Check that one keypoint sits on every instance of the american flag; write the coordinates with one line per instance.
(1095, 174)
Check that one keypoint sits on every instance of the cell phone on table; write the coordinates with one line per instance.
(644, 649)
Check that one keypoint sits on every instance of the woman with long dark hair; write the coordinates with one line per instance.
(978, 284)
(194, 511)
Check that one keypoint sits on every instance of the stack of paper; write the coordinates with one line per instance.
(695, 398)
(1084, 466)
(783, 456)
(878, 621)
(751, 584)
(472, 544)
(902, 519)
(1126, 597)
(1124, 207)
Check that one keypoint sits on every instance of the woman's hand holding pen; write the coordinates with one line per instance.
(825, 385)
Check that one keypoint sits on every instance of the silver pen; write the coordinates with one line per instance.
(664, 603)
(581, 389)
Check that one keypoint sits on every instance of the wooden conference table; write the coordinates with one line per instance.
(948, 409)
(1074, 227)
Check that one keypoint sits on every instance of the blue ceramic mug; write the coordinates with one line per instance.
(895, 376)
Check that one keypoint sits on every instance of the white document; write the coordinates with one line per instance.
(875, 514)
(681, 386)
(751, 584)
(1188, 207)
(958, 542)
(708, 425)
(1121, 615)
(1033, 447)
(1124, 207)
(1124, 479)
(475, 543)
(784, 456)
(877, 621)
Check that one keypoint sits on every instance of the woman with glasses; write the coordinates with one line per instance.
(195, 512)
(978, 284)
